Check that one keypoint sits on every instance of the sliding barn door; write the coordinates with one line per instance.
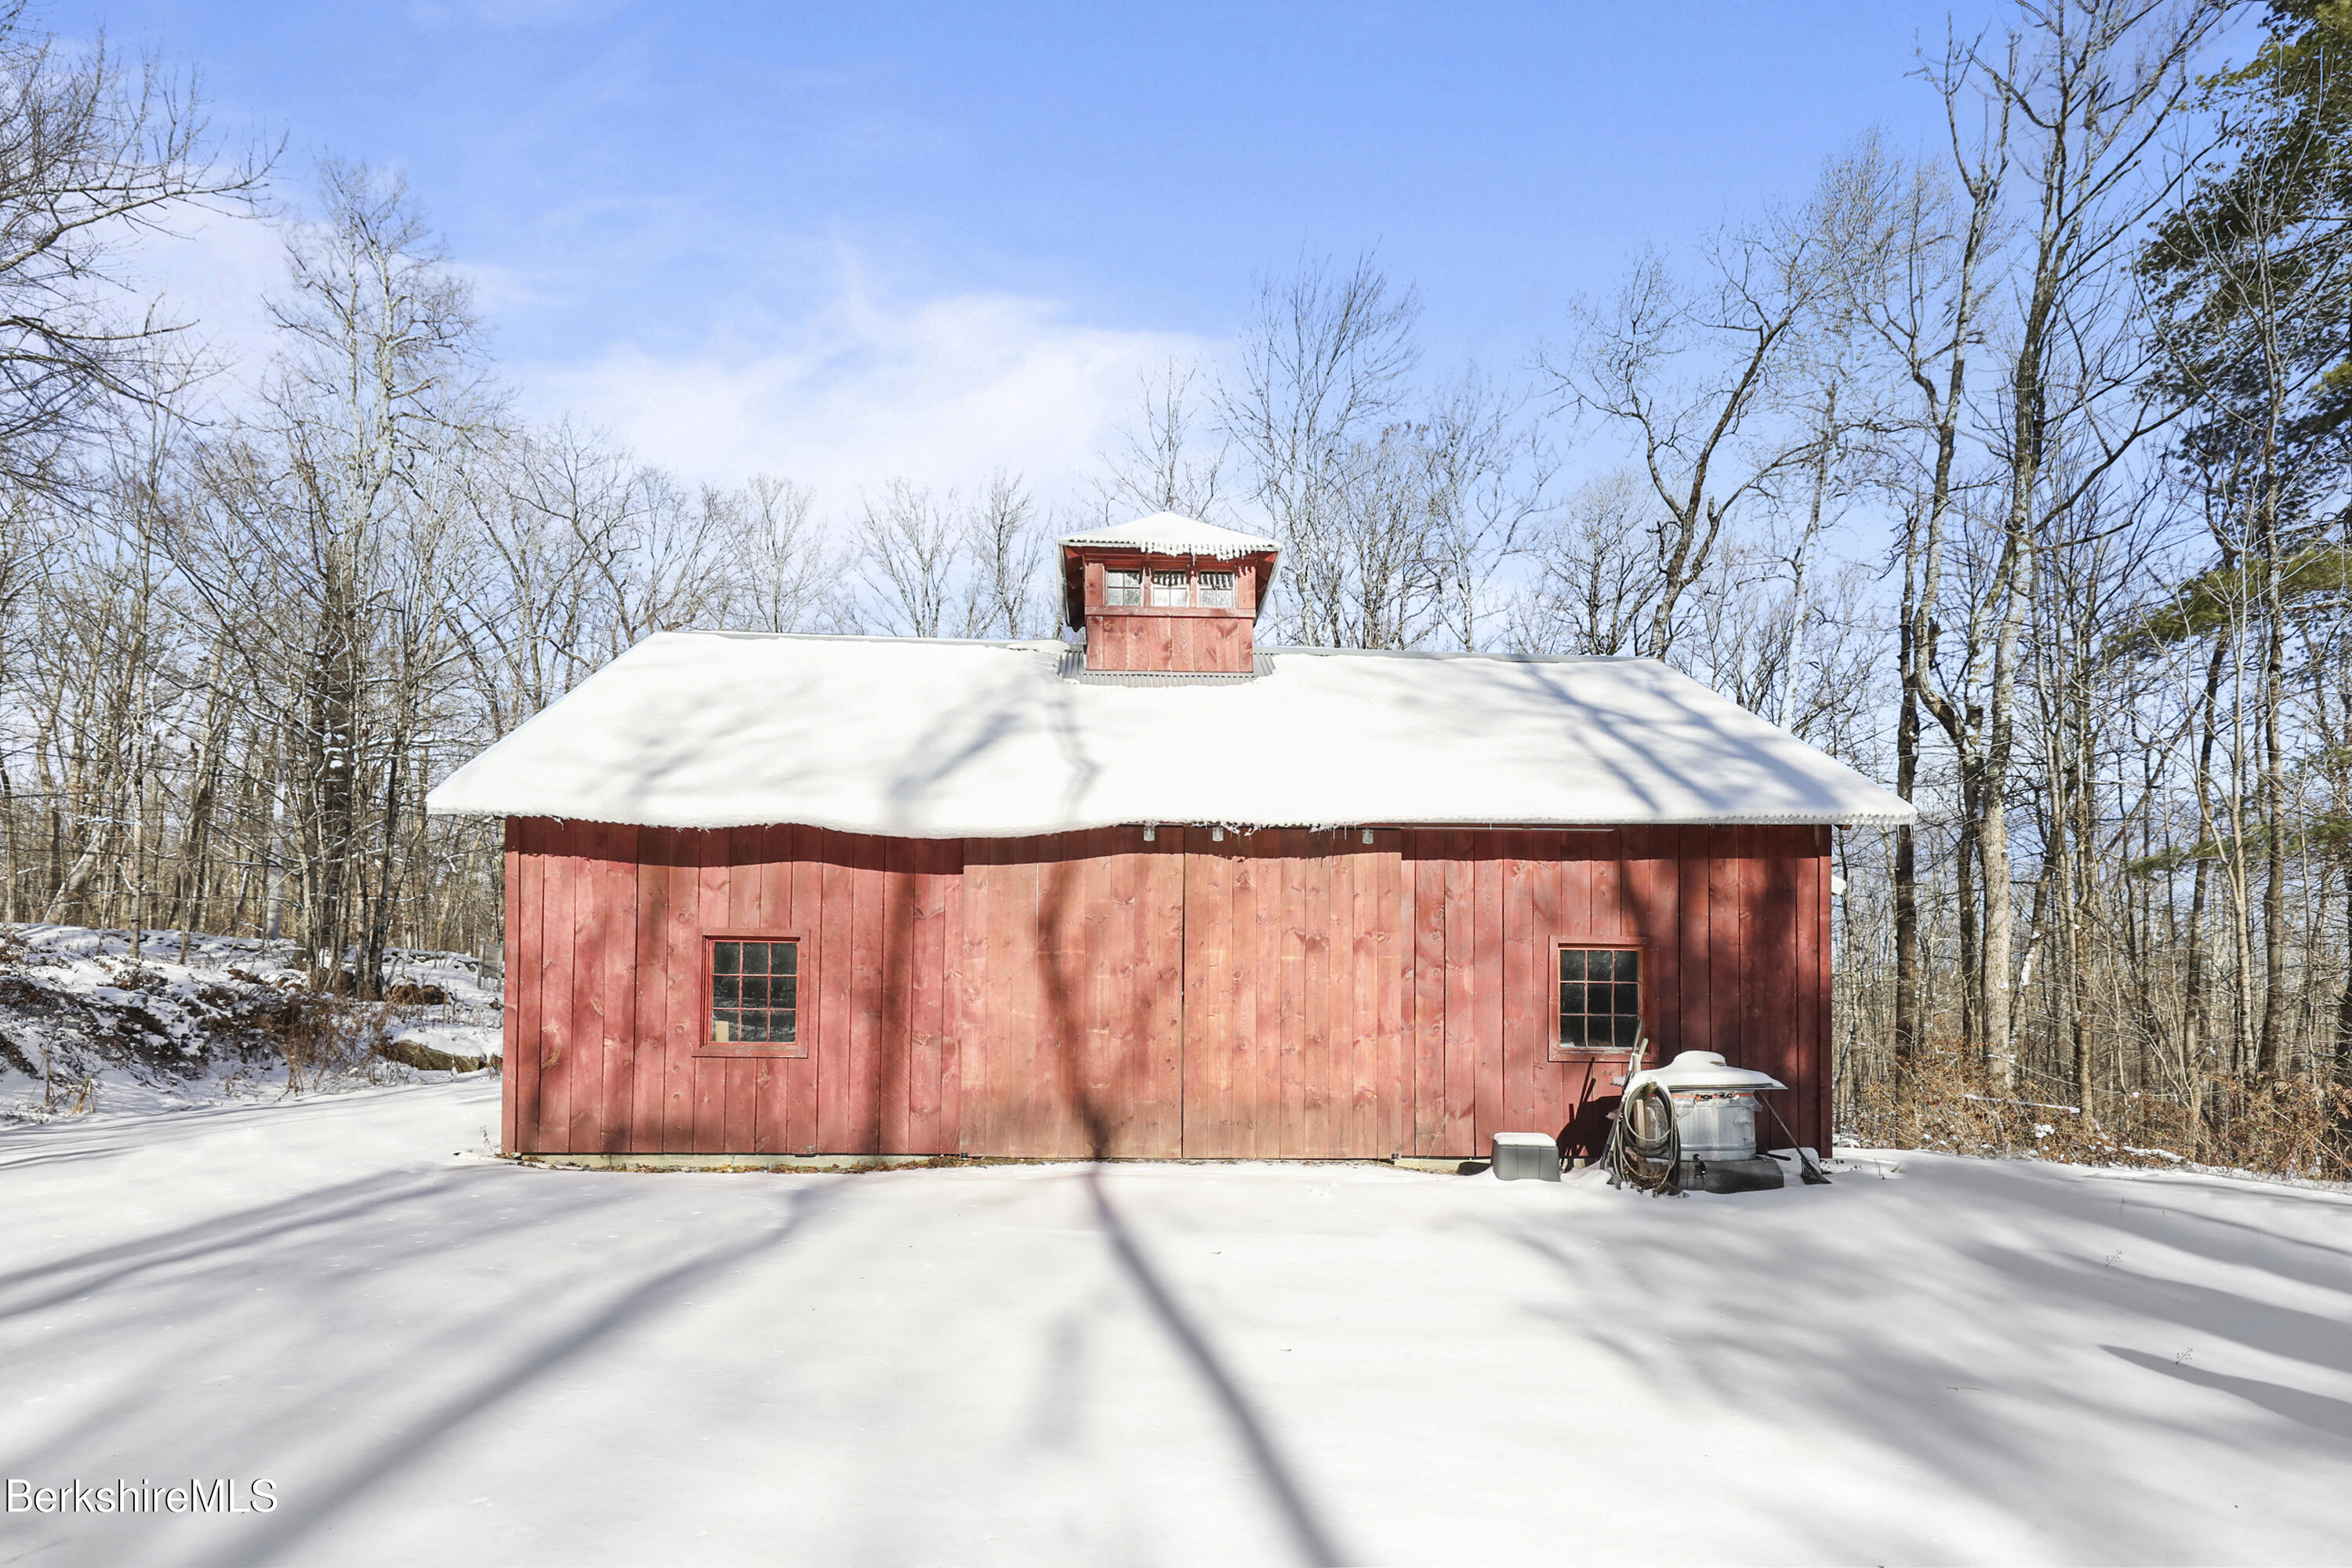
(1298, 974)
(1073, 983)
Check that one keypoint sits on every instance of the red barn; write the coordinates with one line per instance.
(1165, 895)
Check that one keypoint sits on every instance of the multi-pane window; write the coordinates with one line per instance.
(1169, 589)
(754, 991)
(1600, 997)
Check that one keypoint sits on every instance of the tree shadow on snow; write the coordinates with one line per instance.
(1817, 1315)
(1309, 1535)
(334, 1258)
(2317, 1411)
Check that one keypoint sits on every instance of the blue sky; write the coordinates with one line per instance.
(845, 242)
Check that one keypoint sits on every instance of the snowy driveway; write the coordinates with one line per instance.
(433, 1356)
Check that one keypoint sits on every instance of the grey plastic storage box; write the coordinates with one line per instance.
(1526, 1156)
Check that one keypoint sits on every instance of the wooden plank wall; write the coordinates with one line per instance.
(605, 941)
(1276, 995)
(1733, 922)
(1297, 966)
(1072, 976)
(1212, 640)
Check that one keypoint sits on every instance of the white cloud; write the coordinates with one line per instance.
(212, 272)
(858, 391)
(830, 379)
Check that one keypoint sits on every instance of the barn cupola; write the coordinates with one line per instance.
(1167, 593)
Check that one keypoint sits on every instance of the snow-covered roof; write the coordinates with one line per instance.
(930, 739)
(1169, 533)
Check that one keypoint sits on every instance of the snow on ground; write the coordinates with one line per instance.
(84, 1025)
(433, 1356)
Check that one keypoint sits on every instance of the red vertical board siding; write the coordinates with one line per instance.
(977, 1047)
(1724, 974)
(584, 1084)
(1463, 1068)
(1426, 958)
(1559, 1086)
(874, 1001)
(1522, 1110)
(975, 985)
(1755, 1046)
(1020, 1068)
(556, 1067)
(1575, 901)
(519, 991)
(1652, 882)
(732, 902)
(1053, 1113)
(509, 924)
(1282, 993)
(1161, 924)
(804, 914)
(1357, 931)
(1112, 1081)
(1809, 877)
(616, 875)
(1273, 973)
(708, 899)
(768, 868)
(927, 999)
(683, 1022)
(892, 941)
(1694, 1015)
(1486, 877)
(649, 1001)
(1393, 901)
(1604, 853)
(1214, 1049)
(670, 1008)
(584, 1057)
(1376, 1074)
(954, 1020)
(836, 1096)
(1011, 1039)
(1313, 1134)
(1776, 953)
(1255, 1119)
(699, 907)
(1049, 1105)
(1824, 1104)
(1012, 1047)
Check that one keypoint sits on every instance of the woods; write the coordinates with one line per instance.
(2008, 467)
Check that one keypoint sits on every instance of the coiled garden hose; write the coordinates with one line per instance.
(1645, 1146)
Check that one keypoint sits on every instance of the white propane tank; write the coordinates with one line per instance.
(1714, 1103)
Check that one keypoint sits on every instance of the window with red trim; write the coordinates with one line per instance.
(754, 991)
(1600, 998)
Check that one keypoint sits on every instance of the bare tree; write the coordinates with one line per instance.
(1325, 365)
(1006, 557)
(793, 583)
(909, 544)
(2089, 85)
(95, 156)
(1688, 368)
(1160, 466)
(1596, 579)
